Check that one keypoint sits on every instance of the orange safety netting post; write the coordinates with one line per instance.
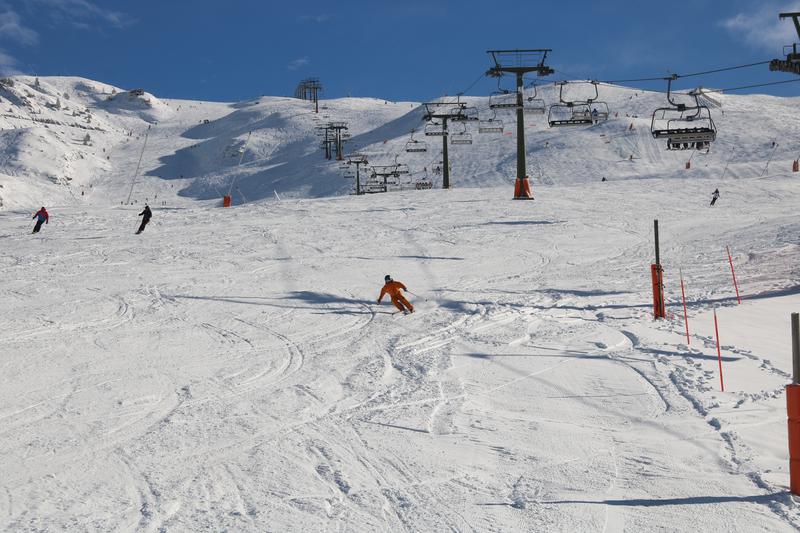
(795, 166)
(793, 409)
(522, 189)
(226, 201)
(659, 308)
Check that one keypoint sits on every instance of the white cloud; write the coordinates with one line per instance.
(762, 29)
(75, 10)
(297, 63)
(13, 29)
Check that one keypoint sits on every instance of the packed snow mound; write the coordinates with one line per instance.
(145, 147)
(137, 103)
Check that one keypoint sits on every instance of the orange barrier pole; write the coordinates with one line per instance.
(733, 273)
(719, 353)
(226, 201)
(795, 166)
(659, 309)
(685, 315)
(793, 409)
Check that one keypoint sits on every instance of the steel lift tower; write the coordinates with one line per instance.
(519, 63)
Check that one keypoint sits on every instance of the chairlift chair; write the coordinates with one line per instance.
(466, 114)
(461, 138)
(401, 169)
(534, 105)
(434, 129)
(416, 146)
(569, 114)
(577, 112)
(503, 100)
(686, 127)
(492, 125)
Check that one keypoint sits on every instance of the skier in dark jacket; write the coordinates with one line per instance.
(42, 218)
(714, 196)
(146, 216)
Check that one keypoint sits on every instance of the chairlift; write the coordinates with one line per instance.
(577, 112)
(503, 99)
(401, 170)
(686, 127)
(491, 125)
(466, 114)
(435, 129)
(416, 146)
(534, 105)
(462, 137)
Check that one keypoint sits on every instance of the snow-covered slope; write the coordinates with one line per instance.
(193, 149)
(229, 369)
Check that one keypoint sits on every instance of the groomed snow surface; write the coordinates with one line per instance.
(230, 370)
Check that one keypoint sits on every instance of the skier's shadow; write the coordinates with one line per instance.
(321, 302)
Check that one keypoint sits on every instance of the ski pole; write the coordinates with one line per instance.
(417, 295)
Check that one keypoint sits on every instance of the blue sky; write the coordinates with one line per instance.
(410, 50)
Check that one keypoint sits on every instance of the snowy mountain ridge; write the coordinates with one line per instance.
(68, 140)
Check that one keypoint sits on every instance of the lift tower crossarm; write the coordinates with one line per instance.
(794, 16)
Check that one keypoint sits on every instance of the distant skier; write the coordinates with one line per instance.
(146, 216)
(604, 179)
(393, 288)
(594, 116)
(714, 196)
(42, 218)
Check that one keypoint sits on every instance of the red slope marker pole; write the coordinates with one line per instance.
(685, 315)
(719, 353)
(733, 273)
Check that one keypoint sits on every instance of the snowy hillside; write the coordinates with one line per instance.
(194, 149)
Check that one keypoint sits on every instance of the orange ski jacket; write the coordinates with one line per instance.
(392, 288)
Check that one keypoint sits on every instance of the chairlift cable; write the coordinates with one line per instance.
(678, 76)
(750, 86)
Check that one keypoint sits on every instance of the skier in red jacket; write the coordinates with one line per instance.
(393, 288)
(42, 218)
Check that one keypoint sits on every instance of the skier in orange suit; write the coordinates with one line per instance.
(393, 288)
